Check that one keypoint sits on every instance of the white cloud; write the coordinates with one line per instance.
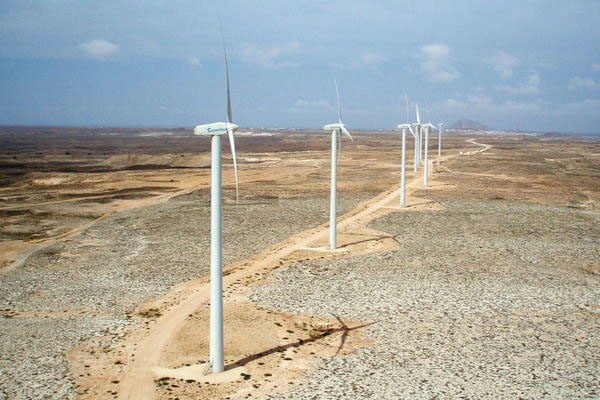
(305, 105)
(578, 82)
(504, 64)
(372, 58)
(435, 58)
(488, 109)
(596, 67)
(99, 49)
(194, 62)
(484, 105)
(530, 86)
(268, 57)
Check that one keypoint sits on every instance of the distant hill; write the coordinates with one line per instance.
(468, 125)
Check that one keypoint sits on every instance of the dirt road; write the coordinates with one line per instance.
(137, 381)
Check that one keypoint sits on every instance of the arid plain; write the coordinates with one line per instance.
(486, 286)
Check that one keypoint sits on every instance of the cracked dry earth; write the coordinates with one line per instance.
(471, 292)
(481, 300)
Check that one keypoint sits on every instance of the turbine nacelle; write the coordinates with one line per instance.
(333, 127)
(338, 127)
(216, 128)
(406, 126)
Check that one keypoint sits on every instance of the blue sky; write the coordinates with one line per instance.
(531, 65)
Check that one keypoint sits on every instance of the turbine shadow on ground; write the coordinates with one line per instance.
(421, 204)
(346, 330)
(376, 239)
(300, 342)
(438, 185)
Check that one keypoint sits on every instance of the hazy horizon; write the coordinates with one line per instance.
(242, 128)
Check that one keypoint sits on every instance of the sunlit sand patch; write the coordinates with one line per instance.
(280, 350)
(261, 160)
(50, 181)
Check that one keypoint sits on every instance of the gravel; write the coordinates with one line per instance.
(92, 282)
(485, 300)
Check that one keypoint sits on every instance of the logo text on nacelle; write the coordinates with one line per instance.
(215, 129)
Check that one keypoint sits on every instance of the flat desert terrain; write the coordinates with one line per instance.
(486, 286)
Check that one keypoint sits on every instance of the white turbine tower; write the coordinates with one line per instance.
(426, 159)
(404, 127)
(440, 139)
(336, 129)
(216, 131)
(417, 134)
(422, 131)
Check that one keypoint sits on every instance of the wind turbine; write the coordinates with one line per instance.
(404, 127)
(440, 139)
(336, 129)
(216, 131)
(427, 127)
(417, 134)
(423, 132)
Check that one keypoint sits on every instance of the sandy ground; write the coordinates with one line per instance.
(301, 333)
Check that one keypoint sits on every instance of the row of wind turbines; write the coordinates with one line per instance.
(217, 130)
(421, 137)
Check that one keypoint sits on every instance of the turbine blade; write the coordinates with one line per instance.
(337, 93)
(407, 112)
(345, 132)
(411, 131)
(229, 117)
(418, 115)
(235, 171)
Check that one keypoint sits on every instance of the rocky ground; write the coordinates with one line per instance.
(494, 295)
(482, 300)
(116, 265)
